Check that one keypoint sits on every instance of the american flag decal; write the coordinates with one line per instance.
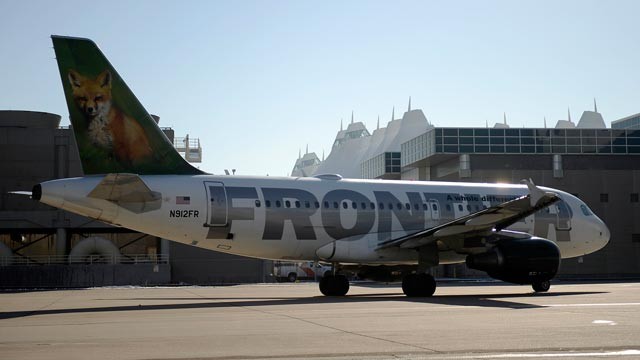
(183, 200)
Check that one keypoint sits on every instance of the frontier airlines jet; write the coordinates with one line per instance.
(381, 229)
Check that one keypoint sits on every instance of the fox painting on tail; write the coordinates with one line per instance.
(113, 131)
(108, 127)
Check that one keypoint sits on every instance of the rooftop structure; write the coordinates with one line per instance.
(357, 146)
(306, 164)
(629, 122)
(190, 149)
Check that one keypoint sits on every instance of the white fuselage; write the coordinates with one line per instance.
(330, 219)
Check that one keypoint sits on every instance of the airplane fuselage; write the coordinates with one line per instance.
(325, 218)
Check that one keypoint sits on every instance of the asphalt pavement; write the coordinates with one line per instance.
(293, 321)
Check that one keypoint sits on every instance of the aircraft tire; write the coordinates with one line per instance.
(334, 285)
(292, 277)
(418, 285)
(541, 286)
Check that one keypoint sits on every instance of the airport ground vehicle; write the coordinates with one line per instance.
(293, 271)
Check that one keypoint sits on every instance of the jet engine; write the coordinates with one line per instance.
(521, 261)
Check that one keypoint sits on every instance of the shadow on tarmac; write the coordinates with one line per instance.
(493, 301)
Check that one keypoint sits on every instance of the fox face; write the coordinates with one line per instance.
(93, 96)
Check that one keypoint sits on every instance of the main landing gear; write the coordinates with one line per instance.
(418, 285)
(541, 286)
(334, 285)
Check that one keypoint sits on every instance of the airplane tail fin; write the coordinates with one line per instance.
(114, 133)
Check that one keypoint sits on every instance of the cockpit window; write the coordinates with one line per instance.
(585, 210)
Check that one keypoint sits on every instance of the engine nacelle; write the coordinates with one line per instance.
(519, 261)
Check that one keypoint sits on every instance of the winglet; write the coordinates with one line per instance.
(535, 193)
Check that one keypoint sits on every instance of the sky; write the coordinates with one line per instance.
(258, 80)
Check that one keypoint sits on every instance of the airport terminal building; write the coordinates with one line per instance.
(598, 164)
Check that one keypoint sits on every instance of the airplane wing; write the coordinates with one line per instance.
(496, 217)
(127, 191)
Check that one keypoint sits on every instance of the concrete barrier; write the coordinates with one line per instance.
(81, 275)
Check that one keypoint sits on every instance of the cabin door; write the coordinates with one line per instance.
(216, 204)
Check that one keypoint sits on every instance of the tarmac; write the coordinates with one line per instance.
(292, 321)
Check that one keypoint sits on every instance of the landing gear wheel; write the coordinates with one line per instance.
(334, 285)
(541, 286)
(292, 277)
(418, 285)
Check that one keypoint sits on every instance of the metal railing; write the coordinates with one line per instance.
(40, 260)
(186, 142)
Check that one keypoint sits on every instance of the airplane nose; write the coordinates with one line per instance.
(605, 234)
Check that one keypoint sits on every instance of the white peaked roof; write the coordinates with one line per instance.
(306, 165)
(503, 124)
(565, 124)
(390, 139)
(591, 120)
(354, 130)
(346, 158)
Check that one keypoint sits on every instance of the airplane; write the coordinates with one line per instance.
(381, 229)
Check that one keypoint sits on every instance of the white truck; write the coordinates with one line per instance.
(293, 271)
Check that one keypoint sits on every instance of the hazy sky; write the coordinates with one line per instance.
(257, 80)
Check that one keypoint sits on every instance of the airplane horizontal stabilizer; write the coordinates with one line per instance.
(128, 191)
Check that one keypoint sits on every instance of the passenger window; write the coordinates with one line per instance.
(354, 205)
(267, 203)
(297, 204)
(425, 207)
(399, 206)
(381, 205)
(257, 203)
(390, 206)
(317, 204)
(335, 205)
(372, 206)
(287, 204)
(278, 204)
(585, 210)
(434, 207)
(307, 205)
(416, 206)
(460, 207)
(363, 206)
(448, 207)
(326, 204)
(407, 206)
(344, 205)
(469, 208)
